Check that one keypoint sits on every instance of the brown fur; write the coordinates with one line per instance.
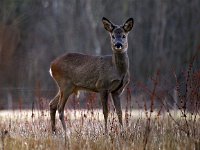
(103, 74)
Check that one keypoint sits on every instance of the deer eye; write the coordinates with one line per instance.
(123, 36)
(113, 36)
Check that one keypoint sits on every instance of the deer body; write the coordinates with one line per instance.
(103, 74)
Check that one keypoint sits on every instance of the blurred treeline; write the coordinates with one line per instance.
(33, 32)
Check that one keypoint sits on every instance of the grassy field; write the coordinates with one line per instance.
(25, 130)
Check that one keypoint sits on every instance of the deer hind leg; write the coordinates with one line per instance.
(104, 101)
(117, 103)
(65, 92)
(53, 107)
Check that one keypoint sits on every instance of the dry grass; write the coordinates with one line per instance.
(24, 130)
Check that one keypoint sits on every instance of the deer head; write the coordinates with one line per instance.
(118, 34)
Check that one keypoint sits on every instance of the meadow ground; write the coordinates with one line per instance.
(25, 130)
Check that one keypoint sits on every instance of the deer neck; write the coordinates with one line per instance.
(121, 62)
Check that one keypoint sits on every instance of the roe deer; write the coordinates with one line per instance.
(103, 74)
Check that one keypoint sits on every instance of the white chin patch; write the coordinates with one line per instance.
(50, 72)
(118, 48)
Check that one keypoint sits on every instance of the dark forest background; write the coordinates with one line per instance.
(165, 37)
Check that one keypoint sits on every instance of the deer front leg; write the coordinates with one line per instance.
(104, 101)
(117, 103)
(53, 107)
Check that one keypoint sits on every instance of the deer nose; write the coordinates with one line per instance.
(118, 45)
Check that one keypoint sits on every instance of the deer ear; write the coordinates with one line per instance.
(109, 26)
(128, 25)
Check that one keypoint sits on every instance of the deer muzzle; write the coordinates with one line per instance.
(118, 45)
